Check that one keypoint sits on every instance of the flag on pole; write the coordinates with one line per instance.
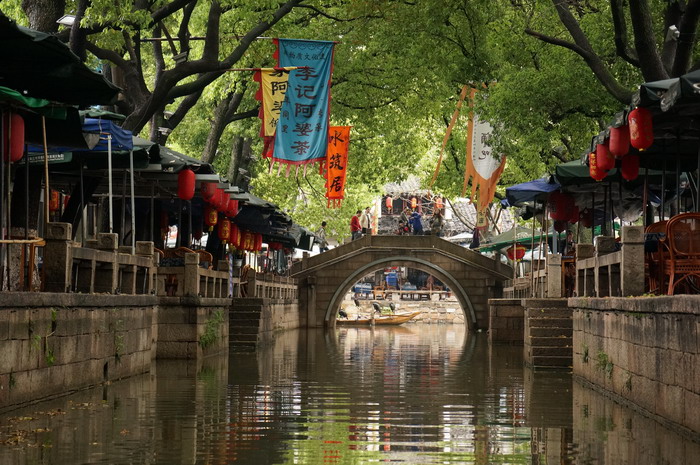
(301, 136)
(482, 166)
(337, 164)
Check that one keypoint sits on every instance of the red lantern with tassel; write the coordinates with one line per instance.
(211, 217)
(575, 213)
(560, 226)
(641, 128)
(586, 218)
(630, 167)
(235, 237)
(560, 205)
(414, 203)
(208, 190)
(619, 143)
(13, 134)
(55, 201)
(389, 203)
(258, 242)
(438, 203)
(246, 242)
(516, 253)
(593, 169)
(185, 184)
(224, 230)
(605, 161)
(232, 208)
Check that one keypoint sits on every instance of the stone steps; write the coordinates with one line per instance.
(548, 333)
(244, 323)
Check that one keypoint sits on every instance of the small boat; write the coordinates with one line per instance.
(395, 319)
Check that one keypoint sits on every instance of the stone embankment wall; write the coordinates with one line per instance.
(506, 320)
(644, 352)
(52, 344)
(255, 321)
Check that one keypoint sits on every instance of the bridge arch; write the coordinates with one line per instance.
(324, 279)
(400, 260)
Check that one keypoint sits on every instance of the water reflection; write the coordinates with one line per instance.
(414, 394)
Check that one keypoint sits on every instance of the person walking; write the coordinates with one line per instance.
(355, 228)
(366, 221)
(321, 236)
(416, 224)
(437, 222)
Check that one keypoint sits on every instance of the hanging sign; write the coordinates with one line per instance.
(482, 165)
(336, 164)
(301, 136)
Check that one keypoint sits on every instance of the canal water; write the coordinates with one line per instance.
(414, 394)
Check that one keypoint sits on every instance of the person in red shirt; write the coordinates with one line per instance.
(355, 227)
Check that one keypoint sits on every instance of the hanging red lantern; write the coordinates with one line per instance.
(232, 208)
(619, 143)
(641, 128)
(593, 169)
(211, 217)
(604, 159)
(560, 226)
(235, 236)
(516, 253)
(586, 218)
(55, 201)
(13, 133)
(66, 199)
(208, 190)
(560, 205)
(389, 203)
(414, 203)
(185, 184)
(258, 242)
(247, 241)
(222, 203)
(575, 213)
(224, 230)
(438, 203)
(630, 167)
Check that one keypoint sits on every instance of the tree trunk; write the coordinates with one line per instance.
(223, 113)
(43, 14)
(236, 150)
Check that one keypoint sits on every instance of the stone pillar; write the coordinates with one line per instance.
(58, 257)
(222, 288)
(554, 277)
(146, 249)
(603, 246)
(632, 266)
(191, 284)
(584, 279)
(107, 273)
(252, 284)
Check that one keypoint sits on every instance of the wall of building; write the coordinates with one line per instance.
(644, 352)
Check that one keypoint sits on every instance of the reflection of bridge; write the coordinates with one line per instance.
(325, 279)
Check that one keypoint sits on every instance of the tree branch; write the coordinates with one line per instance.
(688, 38)
(645, 42)
(624, 51)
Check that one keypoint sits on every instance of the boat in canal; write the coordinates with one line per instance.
(396, 319)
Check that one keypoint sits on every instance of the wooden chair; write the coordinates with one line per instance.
(682, 266)
(654, 260)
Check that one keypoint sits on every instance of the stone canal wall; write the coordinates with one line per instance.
(506, 320)
(255, 321)
(644, 352)
(52, 344)
(56, 343)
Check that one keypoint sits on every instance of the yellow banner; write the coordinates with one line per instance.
(273, 86)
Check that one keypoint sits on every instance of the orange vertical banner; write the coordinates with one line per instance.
(336, 164)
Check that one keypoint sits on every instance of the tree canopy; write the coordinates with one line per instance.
(553, 72)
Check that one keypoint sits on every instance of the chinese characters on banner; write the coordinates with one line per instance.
(273, 86)
(302, 130)
(336, 164)
(482, 165)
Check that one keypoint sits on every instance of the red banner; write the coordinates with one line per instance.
(336, 164)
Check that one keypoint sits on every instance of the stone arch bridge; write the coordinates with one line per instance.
(325, 279)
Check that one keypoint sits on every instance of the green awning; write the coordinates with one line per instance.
(41, 66)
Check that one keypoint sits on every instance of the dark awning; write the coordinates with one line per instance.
(41, 66)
